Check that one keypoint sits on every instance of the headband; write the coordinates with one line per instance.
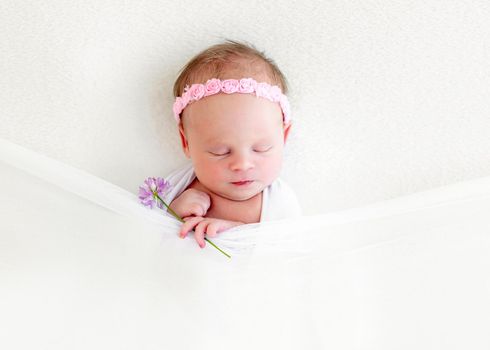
(229, 86)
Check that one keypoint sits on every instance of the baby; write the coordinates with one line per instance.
(234, 120)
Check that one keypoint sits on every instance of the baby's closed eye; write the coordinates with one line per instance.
(219, 153)
(263, 149)
(256, 149)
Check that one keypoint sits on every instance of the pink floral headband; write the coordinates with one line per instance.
(229, 86)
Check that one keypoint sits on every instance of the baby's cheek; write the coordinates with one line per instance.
(272, 169)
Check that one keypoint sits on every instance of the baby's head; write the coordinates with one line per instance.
(228, 135)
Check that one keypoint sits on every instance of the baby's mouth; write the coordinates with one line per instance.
(242, 183)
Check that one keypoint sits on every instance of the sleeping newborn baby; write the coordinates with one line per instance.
(233, 121)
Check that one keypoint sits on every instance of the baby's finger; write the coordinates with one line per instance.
(212, 229)
(199, 233)
(189, 224)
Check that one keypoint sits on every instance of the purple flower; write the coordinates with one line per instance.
(151, 190)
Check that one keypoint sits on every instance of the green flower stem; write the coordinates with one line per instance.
(214, 245)
(180, 219)
(170, 209)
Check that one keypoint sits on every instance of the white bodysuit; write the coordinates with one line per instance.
(278, 199)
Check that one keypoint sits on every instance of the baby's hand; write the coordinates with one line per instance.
(191, 202)
(205, 226)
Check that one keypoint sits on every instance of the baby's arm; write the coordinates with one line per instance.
(191, 202)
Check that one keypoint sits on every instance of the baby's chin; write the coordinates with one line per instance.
(240, 195)
(237, 197)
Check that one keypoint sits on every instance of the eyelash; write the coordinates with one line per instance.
(224, 154)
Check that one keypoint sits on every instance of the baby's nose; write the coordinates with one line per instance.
(241, 162)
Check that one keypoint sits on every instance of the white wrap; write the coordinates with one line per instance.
(83, 265)
(278, 200)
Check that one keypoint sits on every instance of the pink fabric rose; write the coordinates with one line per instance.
(213, 86)
(230, 86)
(196, 92)
(262, 90)
(247, 85)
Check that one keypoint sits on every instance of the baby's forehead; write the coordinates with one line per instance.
(212, 135)
(229, 135)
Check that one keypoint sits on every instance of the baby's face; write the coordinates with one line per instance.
(232, 138)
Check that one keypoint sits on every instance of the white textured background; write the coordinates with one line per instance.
(389, 97)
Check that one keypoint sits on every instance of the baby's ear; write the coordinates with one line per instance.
(183, 139)
(287, 128)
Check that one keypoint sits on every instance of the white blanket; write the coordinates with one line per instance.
(84, 266)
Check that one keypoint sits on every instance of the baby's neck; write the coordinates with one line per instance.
(247, 211)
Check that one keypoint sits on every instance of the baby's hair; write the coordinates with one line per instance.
(230, 56)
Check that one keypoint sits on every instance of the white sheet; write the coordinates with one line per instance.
(84, 266)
